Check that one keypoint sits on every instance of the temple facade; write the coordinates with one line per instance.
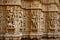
(29, 19)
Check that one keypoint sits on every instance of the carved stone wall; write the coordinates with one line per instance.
(35, 18)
